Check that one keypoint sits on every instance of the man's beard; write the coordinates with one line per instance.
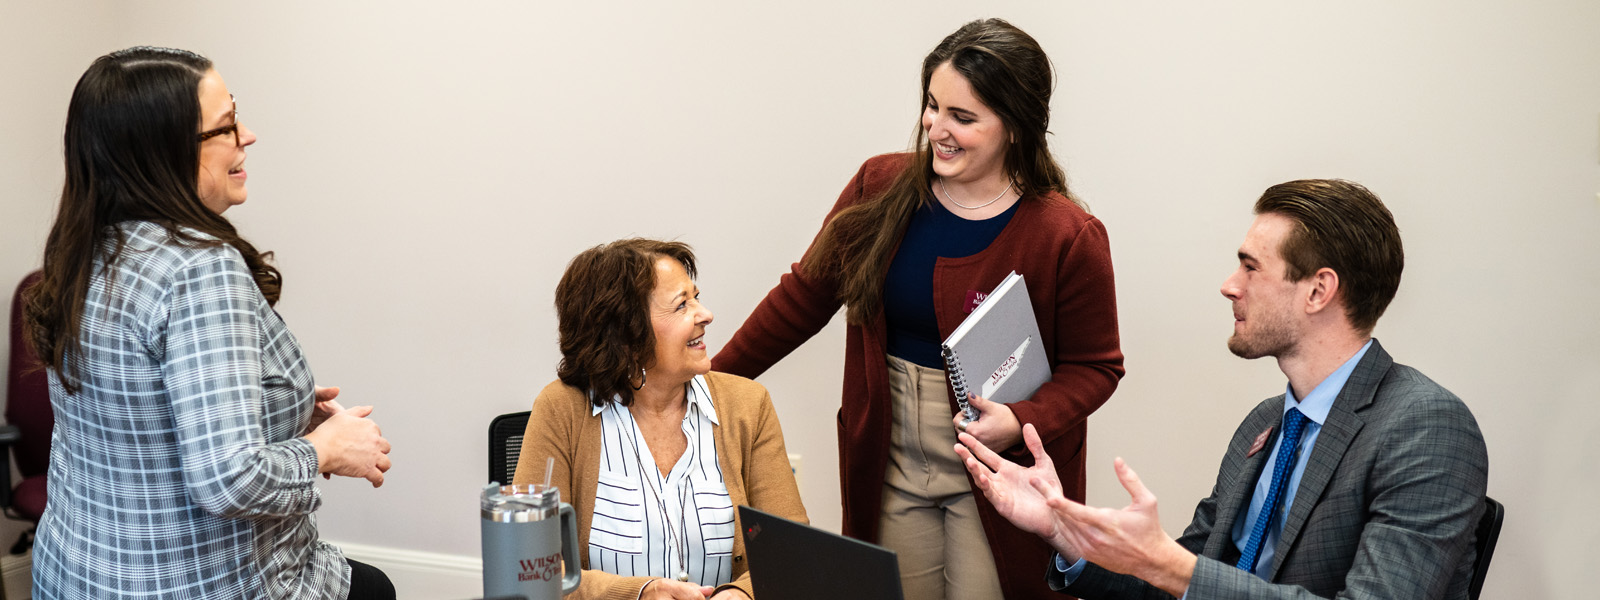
(1272, 338)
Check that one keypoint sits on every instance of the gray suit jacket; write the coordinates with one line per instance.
(1386, 507)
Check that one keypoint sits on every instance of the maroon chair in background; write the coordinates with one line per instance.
(29, 419)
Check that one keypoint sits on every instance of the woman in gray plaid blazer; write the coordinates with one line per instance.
(189, 434)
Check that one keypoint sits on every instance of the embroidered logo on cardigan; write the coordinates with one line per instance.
(974, 298)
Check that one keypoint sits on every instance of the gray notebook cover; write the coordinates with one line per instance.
(996, 352)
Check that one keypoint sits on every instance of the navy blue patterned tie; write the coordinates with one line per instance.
(1293, 424)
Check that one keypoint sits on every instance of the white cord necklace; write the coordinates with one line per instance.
(678, 542)
(952, 199)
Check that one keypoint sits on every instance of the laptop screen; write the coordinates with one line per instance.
(794, 561)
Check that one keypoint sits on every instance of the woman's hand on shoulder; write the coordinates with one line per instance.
(672, 589)
(997, 427)
(350, 444)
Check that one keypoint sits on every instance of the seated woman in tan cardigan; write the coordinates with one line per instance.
(652, 449)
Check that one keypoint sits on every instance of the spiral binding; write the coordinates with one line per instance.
(958, 380)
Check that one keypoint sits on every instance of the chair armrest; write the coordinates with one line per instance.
(9, 434)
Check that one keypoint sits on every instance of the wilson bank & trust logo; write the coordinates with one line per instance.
(542, 568)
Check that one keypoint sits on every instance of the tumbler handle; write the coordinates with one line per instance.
(569, 550)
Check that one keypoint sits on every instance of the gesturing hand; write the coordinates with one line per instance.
(351, 445)
(672, 589)
(1129, 540)
(1021, 495)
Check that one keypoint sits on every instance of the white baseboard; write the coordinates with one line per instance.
(17, 571)
(422, 575)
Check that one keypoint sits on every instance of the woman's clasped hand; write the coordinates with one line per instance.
(348, 442)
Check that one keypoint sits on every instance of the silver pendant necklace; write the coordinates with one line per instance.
(680, 543)
(952, 199)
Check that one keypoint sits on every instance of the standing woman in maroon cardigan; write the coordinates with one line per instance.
(913, 240)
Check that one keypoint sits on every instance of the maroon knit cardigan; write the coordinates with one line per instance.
(1063, 254)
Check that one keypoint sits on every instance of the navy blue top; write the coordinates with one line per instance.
(934, 232)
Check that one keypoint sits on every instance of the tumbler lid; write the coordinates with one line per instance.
(525, 498)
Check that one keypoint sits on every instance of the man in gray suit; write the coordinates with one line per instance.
(1364, 480)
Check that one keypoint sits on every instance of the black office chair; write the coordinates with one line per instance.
(505, 445)
(1488, 533)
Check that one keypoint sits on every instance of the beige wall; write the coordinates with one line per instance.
(426, 169)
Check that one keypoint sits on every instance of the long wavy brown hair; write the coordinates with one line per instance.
(132, 154)
(1011, 75)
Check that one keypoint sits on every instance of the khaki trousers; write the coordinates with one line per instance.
(929, 516)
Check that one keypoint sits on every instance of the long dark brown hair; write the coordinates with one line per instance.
(1011, 75)
(131, 155)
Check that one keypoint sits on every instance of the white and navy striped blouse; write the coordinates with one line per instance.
(644, 522)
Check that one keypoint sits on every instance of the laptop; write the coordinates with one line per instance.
(793, 561)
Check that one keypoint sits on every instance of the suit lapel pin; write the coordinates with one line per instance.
(1261, 442)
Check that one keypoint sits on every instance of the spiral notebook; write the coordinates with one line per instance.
(996, 352)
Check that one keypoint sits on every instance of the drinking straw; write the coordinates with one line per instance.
(549, 467)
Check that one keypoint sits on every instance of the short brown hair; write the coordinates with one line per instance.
(603, 315)
(1343, 226)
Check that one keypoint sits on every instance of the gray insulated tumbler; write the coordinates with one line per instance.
(528, 534)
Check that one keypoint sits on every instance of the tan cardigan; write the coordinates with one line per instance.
(750, 449)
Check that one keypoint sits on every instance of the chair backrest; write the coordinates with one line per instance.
(28, 395)
(505, 445)
(1488, 533)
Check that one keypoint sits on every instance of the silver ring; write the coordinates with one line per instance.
(962, 424)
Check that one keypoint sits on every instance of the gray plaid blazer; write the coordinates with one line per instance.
(178, 470)
(1386, 507)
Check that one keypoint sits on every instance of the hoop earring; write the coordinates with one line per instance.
(643, 377)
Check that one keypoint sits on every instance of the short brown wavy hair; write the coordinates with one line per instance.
(603, 315)
(1343, 226)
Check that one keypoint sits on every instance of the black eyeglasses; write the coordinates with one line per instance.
(226, 129)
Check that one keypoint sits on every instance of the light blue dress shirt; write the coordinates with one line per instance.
(1315, 407)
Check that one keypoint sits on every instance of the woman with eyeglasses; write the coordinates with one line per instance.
(189, 434)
